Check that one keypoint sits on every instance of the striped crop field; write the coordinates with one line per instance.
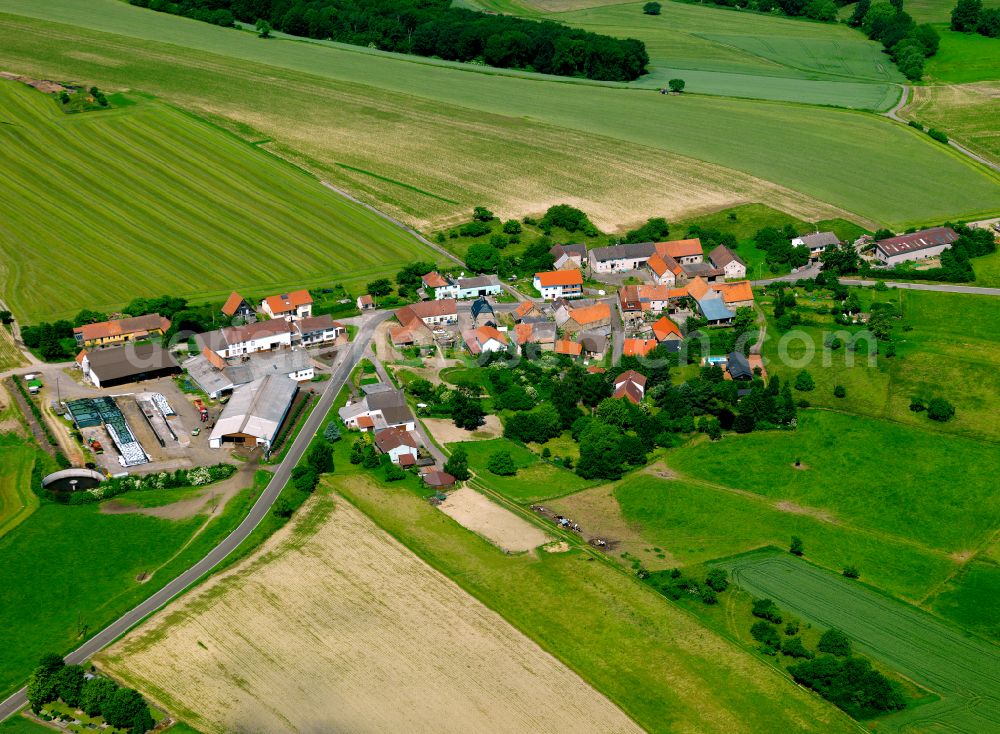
(10, 355)
(101, 207)
(963, 670)
(427, 142)
(17, 500)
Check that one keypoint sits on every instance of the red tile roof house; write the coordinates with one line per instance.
(484, 339)
(667, 330)
(570, 349)
(685, 252)
(631, 386)
(638, 347)
(559, 284)
(289, 306)
(664, 269)
(526, 309)
(237, 306)
(588, 317)
(397, 443)
(365, 302)
(438, 479)
(915, 246)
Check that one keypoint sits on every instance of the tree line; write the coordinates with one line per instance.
(969, 16)
(433, 28)
(909, 44)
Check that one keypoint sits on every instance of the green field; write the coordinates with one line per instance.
(84, 573)
(535, 479)
(431, 112)
(961, 669)
(17, 501)
(153, 200)
(948, 346)
(649, 657)
(10, 355)
(717, 51)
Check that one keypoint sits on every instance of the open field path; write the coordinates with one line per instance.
(904, 100)
(261, 507)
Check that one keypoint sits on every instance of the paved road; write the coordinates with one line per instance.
(260, 509)
(971, 290)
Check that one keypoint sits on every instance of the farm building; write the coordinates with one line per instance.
(568, 256)
(685, 252)
(129, 363)
(397, 443)
(724, 259)
(664, 269)
(288, 306)
(594, 344)
(817, 242)
(916, 246)
(217, 376)
(236, 306)
(638, 347)
(385, 408)
(526, 309)
(438, 287)
(616, 258)
(431, 313)
(314, 330)
(118, 331)
(255, 412)
(668, 333)
(484, 339)
(559, 284)
(587, 317)
(631, 386)
(365, 302)
(570, 349)
(234, 341)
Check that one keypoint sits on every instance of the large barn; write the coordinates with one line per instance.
(255, 412)
(131, 363)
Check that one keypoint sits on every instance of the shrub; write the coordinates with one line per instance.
(482, 214)
(652, 8)
(938, 135)
(794, 648)
(804, 382)
(796, 548)
(474, 229)
(792, 627)
(851, 684)
(676, 85)
(501, 464)
(917, 405)
(709, 596)
(917, 125)
(852, 572)
(835, 642)
(766, 609)
(394, 472)
(939, 409)
(767, 635)
(332, 431)
(840, 391)
(717, 579)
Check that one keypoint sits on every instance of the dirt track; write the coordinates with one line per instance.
(334, 626)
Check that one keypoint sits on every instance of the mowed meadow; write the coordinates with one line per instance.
(101, 207)
(428, 141)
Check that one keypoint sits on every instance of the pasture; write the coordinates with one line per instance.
(967, 112)
(947, 346)
(964, 58)
(535, 480)
(389, 626)
(861, 472)
(199, 222)
(86, 569)
(407, 120)
(959, 668)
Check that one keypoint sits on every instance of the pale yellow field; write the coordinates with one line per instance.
(10, 355)
(335, 627)
(966, 112)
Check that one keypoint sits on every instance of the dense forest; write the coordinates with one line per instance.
(433, 28)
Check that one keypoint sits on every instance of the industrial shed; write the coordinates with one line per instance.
(255, 412)
(131, 363)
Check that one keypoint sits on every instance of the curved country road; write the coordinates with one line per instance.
(260, 509)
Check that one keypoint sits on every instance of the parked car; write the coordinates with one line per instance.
(195, 431)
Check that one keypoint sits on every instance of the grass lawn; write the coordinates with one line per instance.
(198, 223)
(951, 350)
(329, 107)
(960, 669)
(24, 725)
(988, 270)
(84, 573)
(17, 501)
(968, 598)
(649, 657)
(862, 472)
(535, 479)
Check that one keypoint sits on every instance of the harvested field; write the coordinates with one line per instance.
(499, 525)
(350, 632)
(445, 431)
(10, 355)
